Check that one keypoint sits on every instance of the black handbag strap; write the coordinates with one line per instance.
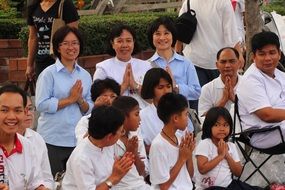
(188, 6)
(30, 87)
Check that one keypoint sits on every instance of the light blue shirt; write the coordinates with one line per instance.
(184, 74)
(57, 127)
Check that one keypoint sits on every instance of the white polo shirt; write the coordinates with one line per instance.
(162, 158)
(42, 156)
(21, 168)
(216, 29)
(211, 94)
(256, 91)
(115, 69)
(88, 166)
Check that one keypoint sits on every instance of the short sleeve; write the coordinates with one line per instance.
(234, 152)
(203, 149)
(69, 12)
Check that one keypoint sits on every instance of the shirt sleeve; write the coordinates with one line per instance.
(81, 128)
(203, 149)
(230, 30)
(159, 167)
(192, 89)
(45, 101)
(69, 13)
(205, 102)
(100, 73)
(87, 96)
(234, 152)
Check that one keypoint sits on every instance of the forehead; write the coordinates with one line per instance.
(12, 100)
(228, 54)
(125, 34)
(70, 36)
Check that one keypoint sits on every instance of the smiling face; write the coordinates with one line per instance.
(267, 58)
(220, 130)
(123, 46)
(11, 113)
(69, 48)
(228, 63)
(162, 38)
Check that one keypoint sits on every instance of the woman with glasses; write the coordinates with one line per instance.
(122, 67)
(63, 97)
(38, 143)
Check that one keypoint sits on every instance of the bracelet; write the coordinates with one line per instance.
(80, 102)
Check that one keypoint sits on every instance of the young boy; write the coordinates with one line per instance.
(131, 142)
(171, 165)
(103, 92)
(92, 164)
(19, 168)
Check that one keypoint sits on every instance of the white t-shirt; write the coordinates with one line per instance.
(151, 125)
(211, 94)
(216, 29)
(239, 10)
(221, 175)
(162, 158)
(40, 149)
(21, 168)
(132, 180)
(82, 128)
(115, 69)
(88, 166)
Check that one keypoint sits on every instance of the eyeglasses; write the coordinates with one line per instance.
(72, 43)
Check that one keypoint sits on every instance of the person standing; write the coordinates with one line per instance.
(216, 29)
(41, 14)
(62, 97)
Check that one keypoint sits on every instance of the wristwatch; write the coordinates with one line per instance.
(80, 101)
(109, 183)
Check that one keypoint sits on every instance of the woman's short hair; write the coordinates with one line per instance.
(115, 32)
(151, 80)
(59, 36)
(168, 23)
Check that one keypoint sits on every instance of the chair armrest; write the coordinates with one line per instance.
(250, 132)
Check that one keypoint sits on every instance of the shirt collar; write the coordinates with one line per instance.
(60, 66)
(18, 147)
(220, 83)
(175, 56)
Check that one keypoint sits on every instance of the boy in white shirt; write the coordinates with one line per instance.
(171, 164)
(132, 142)
(19, 167)
(92, 164)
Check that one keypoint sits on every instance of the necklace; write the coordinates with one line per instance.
(170, 137)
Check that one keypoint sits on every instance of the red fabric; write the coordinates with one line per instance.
(234, 4)
(18, 148)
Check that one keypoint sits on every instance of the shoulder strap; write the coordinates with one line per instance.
(188, 5)
(60, 8)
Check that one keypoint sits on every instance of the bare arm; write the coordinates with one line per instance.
(235, 167)
(204, 165)
(32, 48)
(179, 46)
(241, 59)
(270, 114)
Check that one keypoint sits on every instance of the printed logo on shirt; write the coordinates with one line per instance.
(208, 181)
(3, 177)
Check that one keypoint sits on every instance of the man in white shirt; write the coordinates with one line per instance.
(261, 92)
(216, 29)
(221, 91)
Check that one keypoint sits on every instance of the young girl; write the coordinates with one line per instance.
(157, 82)
(218, 159)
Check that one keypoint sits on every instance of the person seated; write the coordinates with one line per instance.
(92, 164)
(38, 143)
(261, 92)
(171, 164)
(131, 141)
(103, 92)
(221, 91)
(19, 168)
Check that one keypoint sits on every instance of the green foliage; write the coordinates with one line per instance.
(275, 5)
(8, 13)
(10, 28)
(95, 29)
